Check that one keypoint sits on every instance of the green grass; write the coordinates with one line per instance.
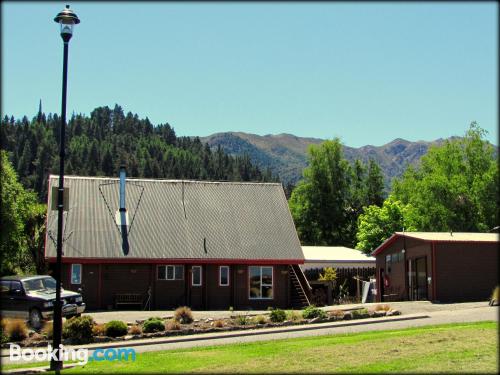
(458, 347)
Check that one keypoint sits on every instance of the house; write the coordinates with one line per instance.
(160, 244)
(437, 266)
(335, 256)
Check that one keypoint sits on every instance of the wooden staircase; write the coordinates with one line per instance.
(300, 290)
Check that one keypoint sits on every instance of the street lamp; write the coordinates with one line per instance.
(67, 19)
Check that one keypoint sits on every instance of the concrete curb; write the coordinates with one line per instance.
(243, 333)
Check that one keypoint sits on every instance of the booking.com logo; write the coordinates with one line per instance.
(81, 355)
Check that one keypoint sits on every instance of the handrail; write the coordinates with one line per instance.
(300, 284)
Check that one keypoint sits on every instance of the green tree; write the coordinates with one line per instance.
(320, 202)
(21, 216)
(374, 184)
(455, 187)
(377, 224)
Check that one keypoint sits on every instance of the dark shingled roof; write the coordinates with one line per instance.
(174, 219)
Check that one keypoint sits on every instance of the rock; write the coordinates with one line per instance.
(318, 319)
(196, 321)
(128, 337)
(208, 320)
(347, 315)
(378, 314)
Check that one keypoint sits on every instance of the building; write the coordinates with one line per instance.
(160, 244)
(440, 267)
(335, 256)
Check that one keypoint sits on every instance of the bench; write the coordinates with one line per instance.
(128, 299)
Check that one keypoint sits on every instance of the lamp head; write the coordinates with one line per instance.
(67, 19)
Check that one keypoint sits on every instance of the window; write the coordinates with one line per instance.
(261, 282)
(4, 286)
(388, 263)
(170, 272)
(223, 275)
(76, 274)
(196, 276)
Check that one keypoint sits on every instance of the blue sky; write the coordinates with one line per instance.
(365, 72)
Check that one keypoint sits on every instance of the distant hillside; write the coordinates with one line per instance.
(285, 154)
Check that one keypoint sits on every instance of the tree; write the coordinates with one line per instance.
(320, 202)
(374, 184)
(20, 214)
(377, 224)
(455, 187)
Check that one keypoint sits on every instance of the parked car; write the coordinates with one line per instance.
(32, 298)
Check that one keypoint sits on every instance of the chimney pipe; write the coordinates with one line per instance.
(122, 188)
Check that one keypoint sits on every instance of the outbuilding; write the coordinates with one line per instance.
(437, 266)
(160, 244)
(336, 257)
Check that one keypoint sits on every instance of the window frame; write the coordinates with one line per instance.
(79, 274)
(261, 285)
(174, 273)
(201, 275)
(228, 277)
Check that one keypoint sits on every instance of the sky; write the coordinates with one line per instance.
(364, 72)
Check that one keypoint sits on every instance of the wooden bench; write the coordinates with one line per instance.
(128, 299)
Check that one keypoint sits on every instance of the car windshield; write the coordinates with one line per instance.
(42, 283)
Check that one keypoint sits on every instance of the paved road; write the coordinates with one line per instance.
(466, 313)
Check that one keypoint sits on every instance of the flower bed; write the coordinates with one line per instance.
(172, 326)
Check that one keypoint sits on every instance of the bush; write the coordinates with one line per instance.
(337, 314)
(116, 328)
(135, 329)
(48, 329)
(153, 325)
(260, 319)
(311, 312)
(99, 330)
(294, 316)
(361, 313)
(78, 329)
(495, 296)
(173, 325)
(241, 320)
(219, 323)
(183, 315)
(16, 329)
(277, 316)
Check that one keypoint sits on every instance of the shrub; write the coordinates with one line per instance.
(383, 307)
(260, 319)
(173, 325)
(48, 329)
(116, 328)
(153, 325)
(241, 320)
(495, 296)
(361, 313)
(16, 329)
(183, 315)
(294, 316)
(337, 314)
(219, 323)
(277, 315)
(99, 330)
(78, 329)
(311, 312)
(135, 329)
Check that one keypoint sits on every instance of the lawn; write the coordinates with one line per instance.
(462, 347)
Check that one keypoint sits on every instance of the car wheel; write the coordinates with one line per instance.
(36, 318)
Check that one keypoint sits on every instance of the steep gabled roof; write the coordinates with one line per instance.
(440, 237)
(176, 220)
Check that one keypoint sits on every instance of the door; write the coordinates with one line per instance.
(196, 287)
(90, 286)
(417, 277)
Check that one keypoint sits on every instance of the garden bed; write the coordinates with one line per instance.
(185, 325)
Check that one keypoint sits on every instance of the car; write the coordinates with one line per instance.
(32, 298)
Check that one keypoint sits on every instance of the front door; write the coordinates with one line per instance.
(90, 286)
(196, 281)
(417, 279)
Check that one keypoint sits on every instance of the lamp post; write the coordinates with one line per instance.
(67, 19)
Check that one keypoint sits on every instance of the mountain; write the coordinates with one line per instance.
(286, 154)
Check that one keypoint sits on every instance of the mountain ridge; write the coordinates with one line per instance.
(286, 154)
